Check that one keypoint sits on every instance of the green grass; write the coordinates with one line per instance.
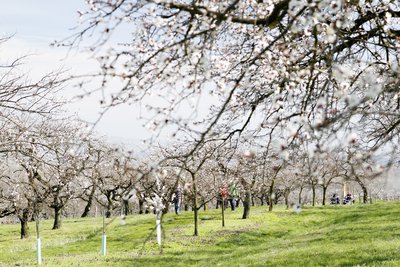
(359, 235)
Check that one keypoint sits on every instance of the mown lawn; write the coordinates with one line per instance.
(359, 235)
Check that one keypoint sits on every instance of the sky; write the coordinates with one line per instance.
(34, 25)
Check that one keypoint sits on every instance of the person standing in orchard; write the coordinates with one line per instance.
(232, 196)
(223, 192)
(178, 199)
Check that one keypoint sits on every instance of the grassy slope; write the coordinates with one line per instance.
(327, 236)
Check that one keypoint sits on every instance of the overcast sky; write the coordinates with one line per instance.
(35, 24)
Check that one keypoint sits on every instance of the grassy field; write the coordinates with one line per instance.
(359, 235)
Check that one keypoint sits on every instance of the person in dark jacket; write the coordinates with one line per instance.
(178, 199)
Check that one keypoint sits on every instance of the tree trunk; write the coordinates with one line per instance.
(324, 189)
(108, 211)
(313, 194)
(271, 192)
(24, 229)
(57, 217)
(195, 209)
(24, 224)
(141, 206)
(223, 212)
(246, 204)
(301, 191)
(89, 203)
(365, 192)
(166, 208)
(287, 193)
(125, 204)
(109, 207)
(364, 189)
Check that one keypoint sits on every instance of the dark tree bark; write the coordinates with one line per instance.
(141, 206)
(272, 188)
(108, 213)
(363, 188)
(324, 189)
(26, 214)
(57, 217)
(286, 195)
(300, 192)
(109, 204)
(271, 192)
(166, 208)
(365, 193)
(313, 194)
(125, 206)
(57, 206)
(246, 204)
(195, 209)
(89, 203)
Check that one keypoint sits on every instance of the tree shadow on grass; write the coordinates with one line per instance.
(270, 249)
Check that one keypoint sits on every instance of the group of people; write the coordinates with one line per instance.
(335, 199)
(230, 195)
(226, 195)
